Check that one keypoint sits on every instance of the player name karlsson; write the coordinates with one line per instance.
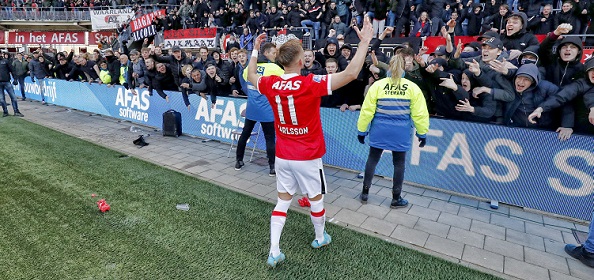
(293, 130)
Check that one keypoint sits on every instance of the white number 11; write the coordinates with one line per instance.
(292, 113)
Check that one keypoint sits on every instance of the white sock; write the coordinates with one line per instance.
(318, 218)
(277, 222)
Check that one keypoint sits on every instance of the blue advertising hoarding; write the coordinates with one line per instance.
(524, 167)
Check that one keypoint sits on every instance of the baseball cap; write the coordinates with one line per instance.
(494, 43)
(487, 35)
(440, 50)
(474, 45)
(176, 49)
(439, 61)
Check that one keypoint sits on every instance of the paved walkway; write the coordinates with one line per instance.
(509, 242)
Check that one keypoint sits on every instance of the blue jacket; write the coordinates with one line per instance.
(258, 108)
(425, 30)
(388, 113)
(516, 112)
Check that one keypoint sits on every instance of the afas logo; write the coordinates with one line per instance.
(134, 106)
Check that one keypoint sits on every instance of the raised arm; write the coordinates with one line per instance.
(253, 64)
(352, 70)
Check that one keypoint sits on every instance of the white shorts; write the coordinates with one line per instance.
(308, 175)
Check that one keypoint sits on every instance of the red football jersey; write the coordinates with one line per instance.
(295, 101)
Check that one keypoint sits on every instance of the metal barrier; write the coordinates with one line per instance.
(45, 14)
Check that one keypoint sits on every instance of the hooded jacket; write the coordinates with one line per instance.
(560, 72)
(495, 21)
(321, 57)
(521, 39)
(516, 112)
(484, 107)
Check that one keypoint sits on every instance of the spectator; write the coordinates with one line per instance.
(202, 59)
(516, 36)
(529, 91)
(215, 84)
(5, 72)
(310, 65)
(232, 43)
(328, 13)
(580, 89)
(163, 80)
(39, 70)
(543, 23)
(238, 86)
(104, 74)
(338, 26)
(404, 10)
(312, 18)
(380, 8)
(20, 67)
(246, 40)
(474, 20)
(331, 51)
(497, 22)
(64, 66)
(192, 83)
(175, 61)
(481, 109)
(422, 26)
(568, 14)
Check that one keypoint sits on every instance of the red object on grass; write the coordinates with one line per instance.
(103, 206)
(93, 195)
(304, 202)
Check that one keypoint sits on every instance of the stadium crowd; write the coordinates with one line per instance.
(501, 79)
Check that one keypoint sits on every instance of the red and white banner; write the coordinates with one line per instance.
(110, 19)
(190, 38)
(587, 53)
(47, 38)
(145, 20)
(96, 37)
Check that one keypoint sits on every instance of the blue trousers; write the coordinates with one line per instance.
(8, 87)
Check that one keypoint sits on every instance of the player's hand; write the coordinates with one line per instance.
(361, 139)
(422, 140)
(366, 32)
(261, 38)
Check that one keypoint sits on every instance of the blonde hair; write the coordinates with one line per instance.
(185, 69)
(396, 68)
(289, 52)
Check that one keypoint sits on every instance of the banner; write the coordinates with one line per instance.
(110, 19)
(146, 32)
(2, 37)
(587, 53)
(145, 20)
(525, 167)
(47, 38)
(96, 37)
(190, 38)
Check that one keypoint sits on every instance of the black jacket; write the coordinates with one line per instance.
(5, 70)
(520, 40)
